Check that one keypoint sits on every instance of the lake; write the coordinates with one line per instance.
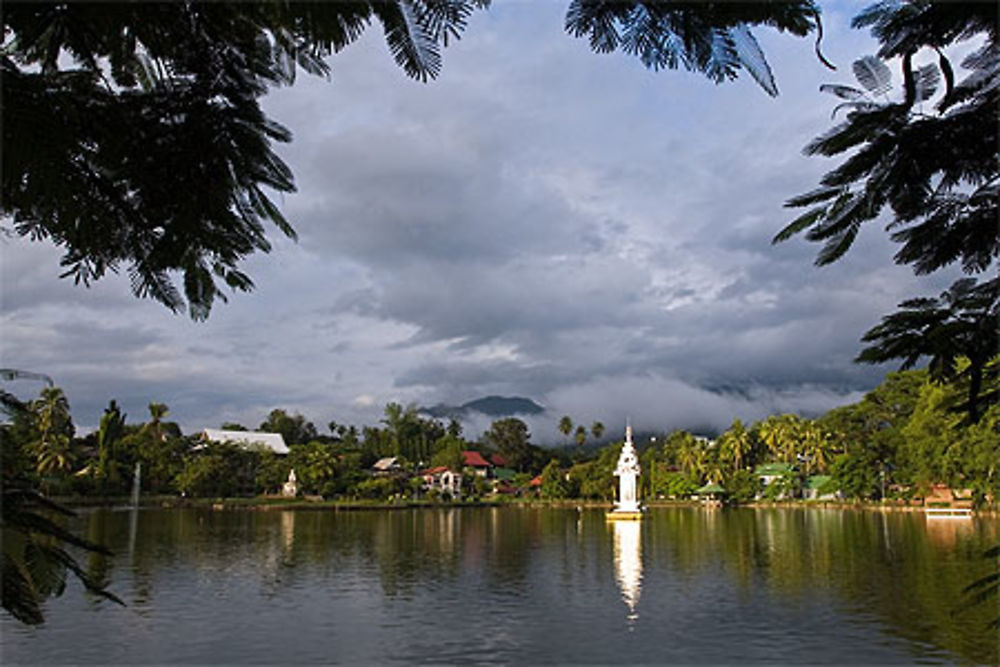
(522, 585)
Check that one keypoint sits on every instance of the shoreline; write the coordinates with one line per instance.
(259, 504)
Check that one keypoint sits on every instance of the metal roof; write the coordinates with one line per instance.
(273, 441)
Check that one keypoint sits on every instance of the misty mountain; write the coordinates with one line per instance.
(491, 406)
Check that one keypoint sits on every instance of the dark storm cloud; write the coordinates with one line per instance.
(539, 221)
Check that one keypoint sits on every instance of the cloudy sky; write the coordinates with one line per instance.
(539, 221)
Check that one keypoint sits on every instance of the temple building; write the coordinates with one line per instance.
(627, 471)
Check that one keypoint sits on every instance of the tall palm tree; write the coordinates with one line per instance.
(581, 435)
(110, 431)
(771, 433)
(597, 429)
(565, 426)
(736, 444)
(55, 431)
(157, 411)
(816, 447)
(690, 455)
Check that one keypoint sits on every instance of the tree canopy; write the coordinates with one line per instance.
(933, 165)
(133, 137)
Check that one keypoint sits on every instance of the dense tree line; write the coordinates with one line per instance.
(909, 433)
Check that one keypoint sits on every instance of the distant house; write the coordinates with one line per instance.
(273, 441)
(503, 480)
(443, 480)
(940, 495)
(473, 459)
(498, 461)
(387, 466)
(815, 488)
(769, 473)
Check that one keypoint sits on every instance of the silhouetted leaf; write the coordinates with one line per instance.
(873, 74)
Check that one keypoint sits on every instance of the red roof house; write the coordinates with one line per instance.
(474, 459)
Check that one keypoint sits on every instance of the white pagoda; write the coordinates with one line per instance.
(291, 487)
(627, 471)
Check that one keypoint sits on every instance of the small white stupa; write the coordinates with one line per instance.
(627, 471)
(291, 487)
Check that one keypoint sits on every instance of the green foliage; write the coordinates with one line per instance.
(742, 486)
(448, 453)
(53, 427)
(554, 484)
(597, 430)
(930, 440)
(788, 485)
(957, 331)
(219, 470)
(511, 439)
(565, 425)
(676, 485)
(713, 39)
(943, 202)
(316, 466)
(856, 474)
(379, 488)
(406, 434)
(737, 447)
(35, 562)
(106, 103)
(295, 429)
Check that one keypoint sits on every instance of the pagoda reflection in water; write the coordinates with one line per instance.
(628, 563)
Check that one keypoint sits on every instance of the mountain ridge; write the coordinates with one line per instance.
(491, 406)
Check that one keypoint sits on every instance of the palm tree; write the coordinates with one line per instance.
(565, 426)
(157, 411)
(690, 455)
(581, 435)
(815, 447)
(55, 431)
(597, 429)
(35, 561)
(110, 430)
(771, 433)
(780, 434)
(736, 444)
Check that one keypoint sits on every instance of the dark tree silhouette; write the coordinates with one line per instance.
(934, 166)
(134, 140)
(960, 324)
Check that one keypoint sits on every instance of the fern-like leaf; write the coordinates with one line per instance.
(873, 74)
(751, 57)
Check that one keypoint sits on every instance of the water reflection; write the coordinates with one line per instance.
(288, 533)
(628, 563)
(946, 532)
(755, 586)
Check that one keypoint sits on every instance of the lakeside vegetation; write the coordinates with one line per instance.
(907, 435)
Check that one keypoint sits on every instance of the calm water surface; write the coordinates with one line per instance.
(522, 586)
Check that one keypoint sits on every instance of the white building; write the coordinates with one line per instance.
(627, 471)
(273, 441)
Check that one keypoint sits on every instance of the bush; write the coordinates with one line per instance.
(379, 488)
